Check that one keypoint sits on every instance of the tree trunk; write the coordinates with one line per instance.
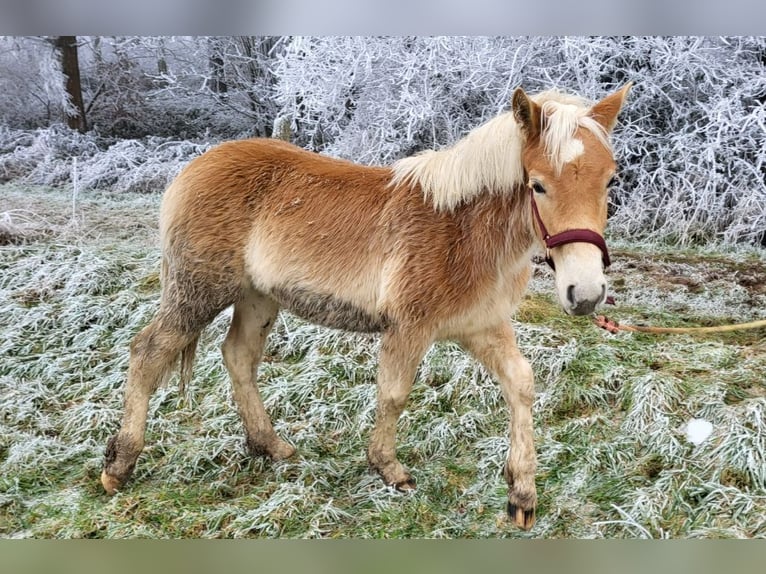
(257, 52)
(70, 66)
(218, 79)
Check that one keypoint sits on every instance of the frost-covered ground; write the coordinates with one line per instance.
(612, 413)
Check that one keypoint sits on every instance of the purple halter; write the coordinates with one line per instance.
(568, 236)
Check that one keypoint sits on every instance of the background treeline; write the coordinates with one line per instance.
(134, 110)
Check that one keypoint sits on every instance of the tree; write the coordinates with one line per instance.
(70, 66)
(217, 79)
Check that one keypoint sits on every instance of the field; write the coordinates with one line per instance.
(79, 278)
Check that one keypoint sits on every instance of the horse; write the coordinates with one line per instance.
(436, 246)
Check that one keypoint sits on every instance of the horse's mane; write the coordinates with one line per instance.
(488, 158)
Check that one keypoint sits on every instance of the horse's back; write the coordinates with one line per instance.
(224, 182)
(232, 181)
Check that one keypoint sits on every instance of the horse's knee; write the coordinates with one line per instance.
(158, 341)
(523, 382)
(394, 396)
(229, 351)
(240, 354)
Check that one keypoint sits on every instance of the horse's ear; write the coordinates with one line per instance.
(605, 112)
(526, 112)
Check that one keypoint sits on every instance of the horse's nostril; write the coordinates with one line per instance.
(570, 294)
(603, 292)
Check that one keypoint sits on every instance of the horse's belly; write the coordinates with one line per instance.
(333, 297)
(328, 310)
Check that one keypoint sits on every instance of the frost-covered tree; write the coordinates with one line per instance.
(240, 80)
(70, 67)
(32, 92)
(133, 86)
(376, 99)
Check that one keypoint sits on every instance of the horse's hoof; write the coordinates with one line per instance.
(282, 451)
(405, 485)
(110, 483)
(522, 518)
(276, 449)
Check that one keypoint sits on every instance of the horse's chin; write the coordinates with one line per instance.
(579, 311)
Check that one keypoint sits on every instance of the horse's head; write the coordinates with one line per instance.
(569, 166)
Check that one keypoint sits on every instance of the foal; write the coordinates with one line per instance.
(435, 247)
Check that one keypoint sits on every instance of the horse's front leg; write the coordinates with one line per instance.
(400, 354)
(496, 349)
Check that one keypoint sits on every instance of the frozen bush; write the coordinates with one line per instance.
(46, 157)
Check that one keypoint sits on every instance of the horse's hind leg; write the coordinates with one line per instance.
(253, 318)
(496, 349)
(153, 354)
(190, 300)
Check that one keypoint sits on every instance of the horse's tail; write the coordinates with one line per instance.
(186, 365)
(188, 353)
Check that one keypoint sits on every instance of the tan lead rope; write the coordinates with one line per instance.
(613, 327)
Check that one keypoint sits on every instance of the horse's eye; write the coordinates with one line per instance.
(537, 187)
(612, 182)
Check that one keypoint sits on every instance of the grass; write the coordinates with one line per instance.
(609, 415)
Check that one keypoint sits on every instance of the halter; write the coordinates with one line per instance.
(568, 236)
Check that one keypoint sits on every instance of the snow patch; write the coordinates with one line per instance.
(697, 431)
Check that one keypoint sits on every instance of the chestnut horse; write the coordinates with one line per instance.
(437, 246)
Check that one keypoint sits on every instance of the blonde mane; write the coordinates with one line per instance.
(562, 115)
(488, 159)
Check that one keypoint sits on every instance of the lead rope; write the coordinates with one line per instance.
(614, 327)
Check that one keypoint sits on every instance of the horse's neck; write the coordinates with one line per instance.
(499, 227)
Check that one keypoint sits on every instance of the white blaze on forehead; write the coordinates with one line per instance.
(562, 116)
(571, 150)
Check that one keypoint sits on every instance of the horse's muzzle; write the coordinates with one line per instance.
(578, 304)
